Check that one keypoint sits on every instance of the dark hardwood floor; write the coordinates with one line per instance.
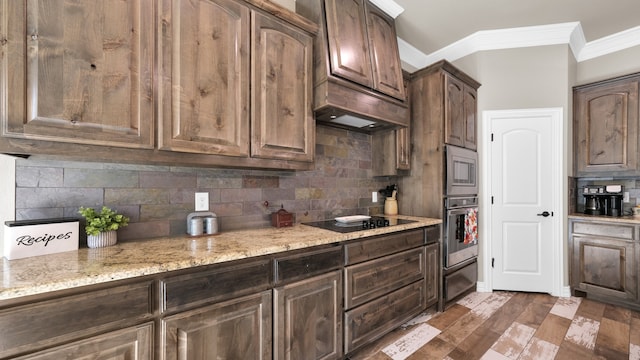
(511, 325)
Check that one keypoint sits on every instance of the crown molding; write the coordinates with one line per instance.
(389, 6)
(609, 44)
(563, 33)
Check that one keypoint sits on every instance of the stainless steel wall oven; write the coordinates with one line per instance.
(460, 246)
(460, 224)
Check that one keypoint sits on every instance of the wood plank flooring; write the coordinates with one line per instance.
(511, 325)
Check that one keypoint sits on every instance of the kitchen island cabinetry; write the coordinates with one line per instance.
(604, 260)
(221, 82)
(606, 135)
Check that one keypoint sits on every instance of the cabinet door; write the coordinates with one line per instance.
(349, 56)
(604, 266)
(282, 124)
(87, 79)
(204, 65)
(433, 273)
(470, 117)
(236, 329)
(403, 149)
(454, 111)
(308, 317)
(383, 49)
(606, 126)
(129, 344)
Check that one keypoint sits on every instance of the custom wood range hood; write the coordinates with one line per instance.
(358, 80)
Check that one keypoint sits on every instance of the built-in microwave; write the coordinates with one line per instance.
(462, 171)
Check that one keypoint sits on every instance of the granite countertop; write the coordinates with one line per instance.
(41, 274)
(619, 219)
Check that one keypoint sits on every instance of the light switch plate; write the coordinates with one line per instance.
(202, 201)
(374, 196)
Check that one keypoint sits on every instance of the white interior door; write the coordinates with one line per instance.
(522, 211)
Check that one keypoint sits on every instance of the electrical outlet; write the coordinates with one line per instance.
(202, 201)
(626, 197)
(374, 196)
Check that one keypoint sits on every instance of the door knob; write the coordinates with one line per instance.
(545, 214)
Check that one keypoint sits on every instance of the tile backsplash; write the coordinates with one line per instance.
(159, 198)
(632, 186)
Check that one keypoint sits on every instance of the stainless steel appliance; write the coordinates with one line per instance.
(460, 224)
(358, 225)
(460, 247)
(461, 171)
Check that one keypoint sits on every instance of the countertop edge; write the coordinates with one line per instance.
(612, 219)
(84, 267)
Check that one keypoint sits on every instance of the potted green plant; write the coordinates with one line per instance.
(101, 226)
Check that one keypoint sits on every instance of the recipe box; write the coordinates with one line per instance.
(26, 238)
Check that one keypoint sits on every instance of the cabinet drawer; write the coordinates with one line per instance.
(307, 264)
(432, 234)
(370, 321)
(130, 343)
(32, 326)
(383, 245)
(621, 231)
(221, 283)
(369, 280)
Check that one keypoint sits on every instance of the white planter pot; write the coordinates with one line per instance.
(103, 239)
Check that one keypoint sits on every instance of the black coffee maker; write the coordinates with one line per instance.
(603, 200)
(612, 200)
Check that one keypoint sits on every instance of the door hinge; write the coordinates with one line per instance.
(491, 199)
(492, 137)
(493, 262)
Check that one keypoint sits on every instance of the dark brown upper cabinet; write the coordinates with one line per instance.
(357, 64)
(236, 82)
(84, 78)
(605, 127)
(460, 112)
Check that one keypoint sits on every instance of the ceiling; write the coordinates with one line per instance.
(429, 26)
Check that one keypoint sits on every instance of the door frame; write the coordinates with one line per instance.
(559, 189)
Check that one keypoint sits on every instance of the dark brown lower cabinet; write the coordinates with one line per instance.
(308, 318)
(385, 285)
(370, 321)
(432, 275)
(134, 343)
(318, 303)
(95, 321)
(604, 261)
(234, 329)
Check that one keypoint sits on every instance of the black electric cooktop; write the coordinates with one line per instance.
(346, 227)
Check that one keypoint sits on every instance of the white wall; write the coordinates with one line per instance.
(7, 193)
(604, 67)
(523, 78)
